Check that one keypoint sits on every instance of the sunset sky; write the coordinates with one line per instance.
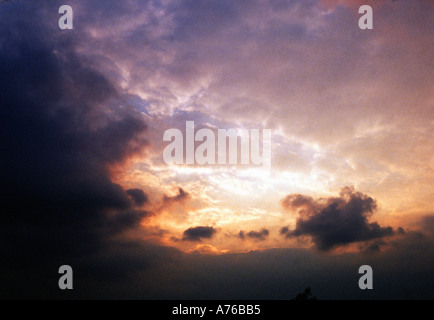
(84, 112)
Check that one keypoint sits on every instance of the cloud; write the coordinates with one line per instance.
(66, 119)
(170, 202)
(298, 201)
(197, 233)
(335, 221)
(180, 197)
(257, 235)
(284, 230)
(63, 126)
(404, 271)
(138, 196)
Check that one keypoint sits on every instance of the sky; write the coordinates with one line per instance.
(84, 181)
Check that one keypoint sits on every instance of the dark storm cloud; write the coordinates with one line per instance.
(61, 129)
(284, 230)
(335, 221)
(138, 196)
(272, 274)
(198, 233)
(257, 235)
